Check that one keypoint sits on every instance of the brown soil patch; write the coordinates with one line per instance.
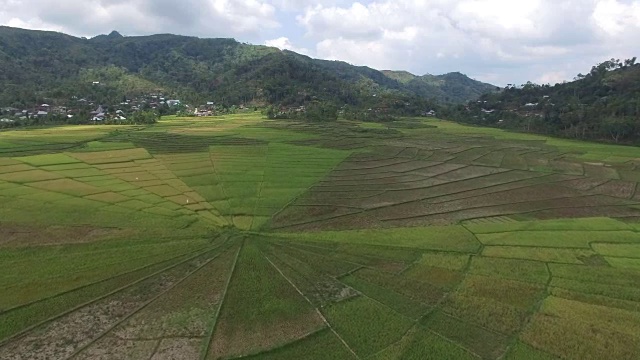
(62, 337)
(616, 188)
(109, 348)
(178, 349)
(297, 214)
(18, 235)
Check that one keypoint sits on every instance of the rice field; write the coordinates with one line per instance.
(239, 237)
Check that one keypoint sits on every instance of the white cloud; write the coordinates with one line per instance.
(552, 77)
(283, 43)
(615, 17)
(212, 18)
(504, 40)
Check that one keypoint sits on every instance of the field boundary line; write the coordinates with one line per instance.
(277, 236)
(222, 187)
(327, 257)
(210, 332)
(393, 173)
(531, 313)
(300, 244)
(140, 308)
(416, 181)
(510, 203)
(635, 191)
(155, 348)
(281, 346)
(482, 245)
(260, 187)
(99, 281)
(454, 343)
(304, 191)
(32, 327)
(560, 207)
(318, 312)
(490, 192)
(411, 331)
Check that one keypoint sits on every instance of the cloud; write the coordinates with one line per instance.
(615, 17)
(499, 40)
(210, 18)
(283, 43)
(502, 41)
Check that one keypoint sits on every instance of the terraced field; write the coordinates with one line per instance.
(235, 237)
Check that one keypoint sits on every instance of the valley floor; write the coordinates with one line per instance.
(229, 237)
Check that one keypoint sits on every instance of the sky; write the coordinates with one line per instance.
(497, 41)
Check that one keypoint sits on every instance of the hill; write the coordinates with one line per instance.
(453, 87)
(38, 65)
(602, 105)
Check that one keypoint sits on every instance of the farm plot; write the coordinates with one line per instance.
(235, 237)
(280, 314)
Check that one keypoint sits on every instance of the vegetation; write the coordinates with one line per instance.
(46, 67)
(240, 236)
(601, 105)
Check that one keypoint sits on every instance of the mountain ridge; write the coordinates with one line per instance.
(44, 65)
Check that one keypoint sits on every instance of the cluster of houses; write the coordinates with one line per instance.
(82, 107)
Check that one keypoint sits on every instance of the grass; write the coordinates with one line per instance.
(618, 250)
(247, 326)
(399, 303)
(416, 289)
(444, 260)
(563, 255)
(366, 325)
(323, 345)
(62, 268)
(21, 318)
(185, 310)
(422, 344)
(522, 270)
(568, 329)
(498, 304)
(452, 238)
(426, 241)
(561, 239)
(482, 342)
(524, 351)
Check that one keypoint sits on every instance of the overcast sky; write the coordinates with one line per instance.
(498, 41)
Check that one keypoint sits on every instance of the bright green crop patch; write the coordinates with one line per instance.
(585, 224)
(49, 159)
(619, 250)
(444, 260)
(559, 239)
(624, 263)
(523, 270)
(569, 256)
(46, 271)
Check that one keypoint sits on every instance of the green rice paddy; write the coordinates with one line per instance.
(239, 237)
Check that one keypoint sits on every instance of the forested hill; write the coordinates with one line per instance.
(38, 65)
(453, 87)
(602, 105)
